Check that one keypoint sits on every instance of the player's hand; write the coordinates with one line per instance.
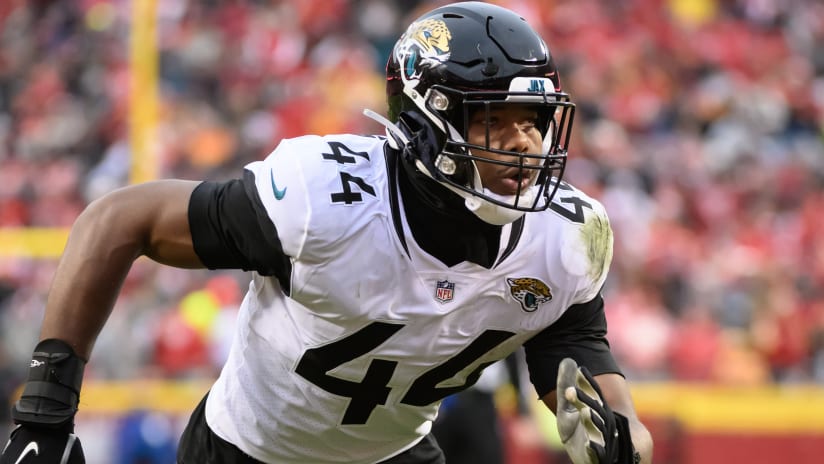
(46, 408)
(39, 445)
(590, 431)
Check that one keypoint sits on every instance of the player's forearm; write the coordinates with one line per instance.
(641, 440)
(104, 242)
(98, 255)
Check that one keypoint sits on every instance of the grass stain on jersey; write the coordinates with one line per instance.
(597, 235)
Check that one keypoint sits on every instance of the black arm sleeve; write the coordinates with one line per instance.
(231, 230)
(579, 334)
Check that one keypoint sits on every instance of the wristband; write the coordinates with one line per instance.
(626, 451)
(52, 392)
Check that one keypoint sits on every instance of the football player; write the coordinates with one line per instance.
(388, 270)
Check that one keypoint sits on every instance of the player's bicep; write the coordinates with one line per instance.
(144, 219)
(167, 238)
(231, 229)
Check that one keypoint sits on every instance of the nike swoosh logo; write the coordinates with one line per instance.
(32, 446)
(279, 194)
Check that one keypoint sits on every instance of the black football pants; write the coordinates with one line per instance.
(199, 445)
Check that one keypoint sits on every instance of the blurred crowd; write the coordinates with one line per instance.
(700, 126)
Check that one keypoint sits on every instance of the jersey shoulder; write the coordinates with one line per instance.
(581, 238)
(316, 188)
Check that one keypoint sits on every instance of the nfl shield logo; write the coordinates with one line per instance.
(444, 291)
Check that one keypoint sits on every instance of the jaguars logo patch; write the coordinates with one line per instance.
(425, 43)
(530, 292)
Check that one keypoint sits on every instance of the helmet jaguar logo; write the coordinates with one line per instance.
(433, 36)
(530, 292)
(427, 40)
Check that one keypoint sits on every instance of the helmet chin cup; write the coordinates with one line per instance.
(491, 213)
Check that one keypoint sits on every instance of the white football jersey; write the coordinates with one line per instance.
(352, 364)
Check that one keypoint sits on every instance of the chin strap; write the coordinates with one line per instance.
(397, 139)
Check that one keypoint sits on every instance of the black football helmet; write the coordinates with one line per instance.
(466, 57)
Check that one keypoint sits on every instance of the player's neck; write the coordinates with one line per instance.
(442, 225)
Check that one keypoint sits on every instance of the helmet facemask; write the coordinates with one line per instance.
(456, 166)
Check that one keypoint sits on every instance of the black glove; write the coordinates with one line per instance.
(591, 431)
(37, 445)
(46, 409)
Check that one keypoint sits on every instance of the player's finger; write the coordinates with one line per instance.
(596, 419)
(590, 379)
(593, 402)
(599, 451)
(575, 398)
(567, 379)
(586, 383)
(585, 397)
(590, 422)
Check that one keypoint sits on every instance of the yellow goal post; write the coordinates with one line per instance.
(48, 243)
